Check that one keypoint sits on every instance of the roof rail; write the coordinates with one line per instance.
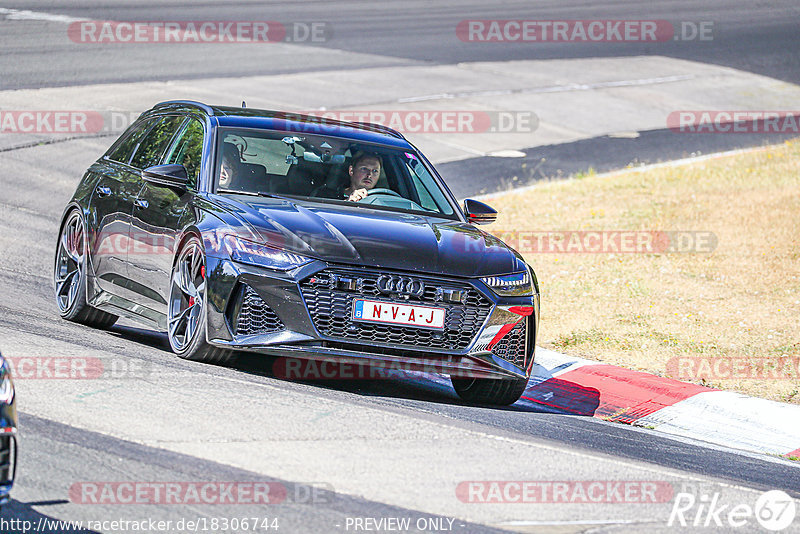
(193, 103)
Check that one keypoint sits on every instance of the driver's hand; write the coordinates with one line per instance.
(358, 194)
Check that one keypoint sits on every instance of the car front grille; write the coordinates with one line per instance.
(255, 317)
(329, 296)
(511, 346)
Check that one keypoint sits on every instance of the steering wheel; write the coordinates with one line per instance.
(380, 191)
(384, 191)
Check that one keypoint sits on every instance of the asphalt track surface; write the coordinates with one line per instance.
(755, 36)
(66, 447)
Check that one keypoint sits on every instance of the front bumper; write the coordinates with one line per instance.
(305, 313)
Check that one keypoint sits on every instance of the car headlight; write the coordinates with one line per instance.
(510, 285)
(252, 253)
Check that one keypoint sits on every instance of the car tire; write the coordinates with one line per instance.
(501, 392)
(186, 313)
(69, 274)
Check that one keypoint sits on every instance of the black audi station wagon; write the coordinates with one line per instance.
(237, 229)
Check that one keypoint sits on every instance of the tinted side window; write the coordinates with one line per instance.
(123, 150)
(188, 150)
(156, 142)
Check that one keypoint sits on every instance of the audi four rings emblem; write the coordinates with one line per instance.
(400, 284)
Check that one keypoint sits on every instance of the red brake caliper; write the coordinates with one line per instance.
(202, 275)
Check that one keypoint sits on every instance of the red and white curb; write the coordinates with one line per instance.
(585, 387)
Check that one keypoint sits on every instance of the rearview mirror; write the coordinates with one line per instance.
(174, 176)
(325, 158)
(478, 212)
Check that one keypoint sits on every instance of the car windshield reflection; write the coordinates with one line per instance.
(325, 168)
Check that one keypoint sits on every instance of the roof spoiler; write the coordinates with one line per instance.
(191, 103)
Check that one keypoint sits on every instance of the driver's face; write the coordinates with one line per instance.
(365, 175)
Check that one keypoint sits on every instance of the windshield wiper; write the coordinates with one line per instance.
(235, 191)
(252, 193)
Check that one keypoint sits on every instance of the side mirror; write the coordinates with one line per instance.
(174, 176)
(478, 212)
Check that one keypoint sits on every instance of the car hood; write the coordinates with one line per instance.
(359, 235)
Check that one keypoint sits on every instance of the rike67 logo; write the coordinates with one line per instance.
(774, 510)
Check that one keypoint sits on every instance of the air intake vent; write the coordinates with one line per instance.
(254, 316)
(511, 346)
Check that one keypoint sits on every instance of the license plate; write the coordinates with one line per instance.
(405, 314)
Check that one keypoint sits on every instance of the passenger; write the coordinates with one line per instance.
(230, 165)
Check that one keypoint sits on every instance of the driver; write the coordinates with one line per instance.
(364, 171)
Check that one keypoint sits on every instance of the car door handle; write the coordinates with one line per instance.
(142, 204)
(102, 191)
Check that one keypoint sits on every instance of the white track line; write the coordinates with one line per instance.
(24, 14)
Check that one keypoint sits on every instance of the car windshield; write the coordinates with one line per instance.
(327, 169)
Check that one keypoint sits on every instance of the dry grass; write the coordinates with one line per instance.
(640, 310)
